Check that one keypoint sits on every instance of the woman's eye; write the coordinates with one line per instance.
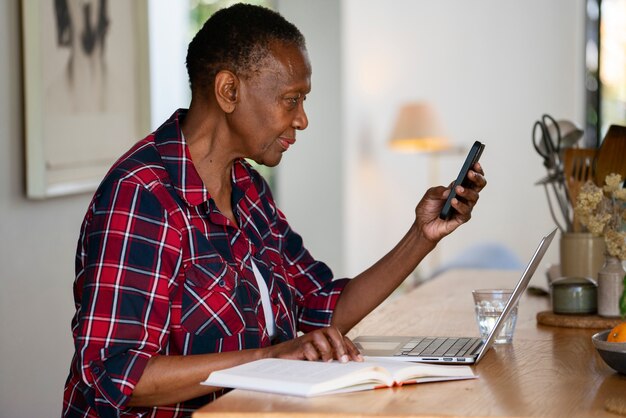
(293, 101)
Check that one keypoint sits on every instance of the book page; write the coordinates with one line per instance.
(299, 370)
(297, 377)
(423, 372)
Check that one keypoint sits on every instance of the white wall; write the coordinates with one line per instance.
(309, 177)
(169, 36)
(490, 68)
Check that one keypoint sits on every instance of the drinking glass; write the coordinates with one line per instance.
(488, 305)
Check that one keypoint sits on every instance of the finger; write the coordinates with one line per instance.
(463, 209)
(337, 341)
(352, 349)
(322, 345)
(478, 168)
(310, 352)
(478, 178)
(469, 195)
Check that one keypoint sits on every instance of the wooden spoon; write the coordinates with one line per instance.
(611, 156)
(577, 169)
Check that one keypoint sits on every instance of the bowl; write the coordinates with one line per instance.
(574, 295)
(613, 354)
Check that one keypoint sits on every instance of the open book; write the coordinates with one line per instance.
(313, 378)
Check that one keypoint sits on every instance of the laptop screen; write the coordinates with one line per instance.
(521, 286)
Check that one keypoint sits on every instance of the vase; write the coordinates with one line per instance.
(610, 287)
(581, 254)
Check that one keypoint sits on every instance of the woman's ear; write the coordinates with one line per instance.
(227, 90)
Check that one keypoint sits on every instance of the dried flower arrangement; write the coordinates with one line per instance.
(603, 211)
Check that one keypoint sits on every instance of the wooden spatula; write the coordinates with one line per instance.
(577, 169)
(611, 156)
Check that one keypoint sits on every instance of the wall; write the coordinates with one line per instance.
(309, 177)
(490, 68)
(168, 53)
(38, 240)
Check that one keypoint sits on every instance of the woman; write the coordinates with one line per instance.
(185, 264)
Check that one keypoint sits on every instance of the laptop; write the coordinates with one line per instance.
(450, 350)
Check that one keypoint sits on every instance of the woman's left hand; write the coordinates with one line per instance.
(427, 217)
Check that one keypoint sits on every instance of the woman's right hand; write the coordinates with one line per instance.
(324, 344)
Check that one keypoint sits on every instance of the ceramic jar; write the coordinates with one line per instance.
(610, 287)
(581, 254)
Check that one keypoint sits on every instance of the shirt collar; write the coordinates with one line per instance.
(177, 162)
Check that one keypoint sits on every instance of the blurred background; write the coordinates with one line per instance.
(488, 68)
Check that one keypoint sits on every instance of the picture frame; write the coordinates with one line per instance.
(86, 90)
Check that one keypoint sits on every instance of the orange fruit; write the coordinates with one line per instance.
(617, 334)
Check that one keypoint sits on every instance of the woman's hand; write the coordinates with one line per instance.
(434, 228)
(324, 344)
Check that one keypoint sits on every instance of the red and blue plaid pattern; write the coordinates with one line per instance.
(159, 270)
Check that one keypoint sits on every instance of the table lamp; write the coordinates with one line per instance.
(417, 129)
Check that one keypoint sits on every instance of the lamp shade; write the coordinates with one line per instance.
(417, 129)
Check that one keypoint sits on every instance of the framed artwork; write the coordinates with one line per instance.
(86, 88)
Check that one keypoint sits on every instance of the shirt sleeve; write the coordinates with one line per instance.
(130, 256)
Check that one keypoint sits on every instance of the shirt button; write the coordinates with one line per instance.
(221, 283)
(275, 301)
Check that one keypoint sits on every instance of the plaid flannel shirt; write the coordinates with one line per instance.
(160, 271)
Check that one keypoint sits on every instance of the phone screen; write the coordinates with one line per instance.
(472, 157)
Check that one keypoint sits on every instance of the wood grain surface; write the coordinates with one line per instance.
(546, 372)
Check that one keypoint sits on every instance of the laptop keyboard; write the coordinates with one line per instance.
(439, 347)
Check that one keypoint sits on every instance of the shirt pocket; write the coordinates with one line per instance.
(209, 306)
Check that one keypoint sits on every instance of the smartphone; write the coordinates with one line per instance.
(472, 157)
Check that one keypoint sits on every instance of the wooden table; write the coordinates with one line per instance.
(545, 372)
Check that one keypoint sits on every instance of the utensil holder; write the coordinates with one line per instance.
(582, 254)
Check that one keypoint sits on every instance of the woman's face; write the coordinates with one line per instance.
(270, 105)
